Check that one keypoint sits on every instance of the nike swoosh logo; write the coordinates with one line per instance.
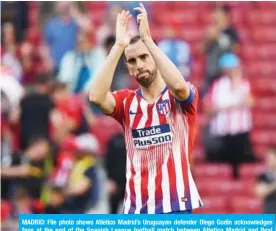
(132, 112)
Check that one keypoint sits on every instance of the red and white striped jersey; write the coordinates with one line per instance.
(159, 139)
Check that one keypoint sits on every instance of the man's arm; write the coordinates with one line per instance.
(99, 92)
(82, 187)
(81, 19)
(169, 72)
(15, 171)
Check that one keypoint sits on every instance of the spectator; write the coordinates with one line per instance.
(178, 51)
(11, 93)
(10, 51)
(221, 38)
(228, 105)
(61, 32)
(56, 201)
(266, 183)
(28, 169)
(33, 63)
(33, 113)
(82, 190)
(115, 164)
(16, 12)
(11, 87)
(68, 116)
(77, 66)
(109, 26)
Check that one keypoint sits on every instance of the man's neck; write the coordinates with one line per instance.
(151, 93)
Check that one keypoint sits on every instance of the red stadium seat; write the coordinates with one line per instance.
(206, 16)
(212, 187)
(157, 33)
(267, 34)
(245, 205)
(262, 137)
(260, 68)
(242, 187)
(217, 171)
(191, 34)
(263, 119)
(263, 104)
(267, 51)
(260, 17)
(213, 204)
(244, 34)
(250, 170)
(266, 5)
(184, 5)
(198, 69)
(184, 17)
(263, 51)
(236, 17)
(99, 5)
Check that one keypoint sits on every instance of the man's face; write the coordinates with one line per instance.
(63, 7)
(140, 63)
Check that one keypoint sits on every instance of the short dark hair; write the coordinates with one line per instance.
(135, 39)
(109, 40)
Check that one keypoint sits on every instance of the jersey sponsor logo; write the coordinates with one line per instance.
(151, 136)
(163, 107)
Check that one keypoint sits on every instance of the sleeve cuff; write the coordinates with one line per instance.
(189, 100)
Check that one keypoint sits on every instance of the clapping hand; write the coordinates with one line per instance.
(122, 33)
(143, 22)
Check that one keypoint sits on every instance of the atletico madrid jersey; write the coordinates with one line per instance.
(159, 139)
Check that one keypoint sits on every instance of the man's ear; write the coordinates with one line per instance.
(127, 65)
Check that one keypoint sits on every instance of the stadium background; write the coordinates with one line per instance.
(255, 23)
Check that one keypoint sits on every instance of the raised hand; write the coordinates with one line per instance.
(122, 33)
(143, 22)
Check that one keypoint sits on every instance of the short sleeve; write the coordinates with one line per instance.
(190, 104)
(119, 96)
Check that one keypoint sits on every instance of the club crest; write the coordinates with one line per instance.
(163, 107)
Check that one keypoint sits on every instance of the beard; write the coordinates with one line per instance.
(146, 81)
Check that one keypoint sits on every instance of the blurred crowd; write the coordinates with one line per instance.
(53, 141)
